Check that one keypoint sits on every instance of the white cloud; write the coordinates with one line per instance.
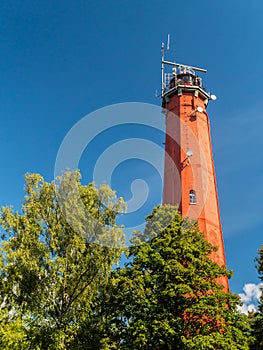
(250, 297)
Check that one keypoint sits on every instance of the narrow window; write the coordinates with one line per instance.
(192, 196)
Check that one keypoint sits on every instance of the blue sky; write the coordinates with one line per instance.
(63, 60)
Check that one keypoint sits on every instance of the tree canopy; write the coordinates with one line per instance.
(51, 274)
(60, 288)
(257, 319)
(168, 296)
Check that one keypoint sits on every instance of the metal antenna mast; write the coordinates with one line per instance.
(174, 64)
(163, 61)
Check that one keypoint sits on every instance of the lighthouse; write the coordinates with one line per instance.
(189, 172)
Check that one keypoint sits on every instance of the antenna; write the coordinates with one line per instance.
(168, 42)
(199, 109)
(189, 153)
(174, 64)
(183, 67)
(163, 84)
(163, 61)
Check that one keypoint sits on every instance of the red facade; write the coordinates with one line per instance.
(189, 174)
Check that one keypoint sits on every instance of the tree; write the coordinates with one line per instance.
(168, 296)
(257, 319)
(55, 258)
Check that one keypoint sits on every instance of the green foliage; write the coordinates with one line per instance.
(12, 331)
(168, 296)
(52, 267)
(259, 261)
(257, 318)
(58, 289)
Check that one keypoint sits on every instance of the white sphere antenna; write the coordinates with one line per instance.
(199, 109)
(189, 153)
(213, 97)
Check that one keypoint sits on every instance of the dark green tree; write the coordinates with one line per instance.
(257, 319)
(168, 296)
(55, 258)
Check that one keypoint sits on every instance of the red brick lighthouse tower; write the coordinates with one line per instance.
(189, 174)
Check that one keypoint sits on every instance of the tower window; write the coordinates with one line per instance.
(192, 197)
